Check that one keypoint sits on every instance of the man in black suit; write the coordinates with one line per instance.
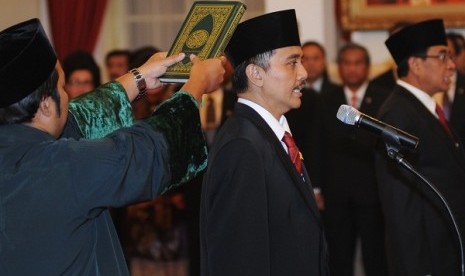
(258, 213)
(420, 236)
(453, 101)
(349, 185)
(458, 43)
(314, 61)
(456, 102)
(305, 120)
(212, 119)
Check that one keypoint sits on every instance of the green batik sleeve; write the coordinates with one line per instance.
(102, 111)
(179, 120)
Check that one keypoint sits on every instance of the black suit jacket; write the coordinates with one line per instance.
(258, 215)
(305, 122)
(386, 80)
(420, 236)
(192, 192)
(229, 100)
(457, 111)
(347, 152)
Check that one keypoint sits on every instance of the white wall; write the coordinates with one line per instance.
(16, 11)
(13, 12)
(316, 20)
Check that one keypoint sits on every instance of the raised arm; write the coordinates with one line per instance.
(108, 108)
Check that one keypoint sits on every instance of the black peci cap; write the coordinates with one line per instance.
(415, 38)
(26, 60)
(261, 34)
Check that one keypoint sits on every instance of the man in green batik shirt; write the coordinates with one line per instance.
(54, 193)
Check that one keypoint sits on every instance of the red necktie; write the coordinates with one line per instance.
(354, 101)
(294, 152)
(443, 120)
(446, 106)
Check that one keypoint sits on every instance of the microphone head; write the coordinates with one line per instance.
(348, 115)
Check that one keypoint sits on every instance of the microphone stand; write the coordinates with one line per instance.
(393, 146)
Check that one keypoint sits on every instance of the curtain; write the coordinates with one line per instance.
(75, 24)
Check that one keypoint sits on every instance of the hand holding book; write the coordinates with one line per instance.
(205, 32)
(206, 76)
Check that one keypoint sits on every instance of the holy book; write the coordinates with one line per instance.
(205, 32)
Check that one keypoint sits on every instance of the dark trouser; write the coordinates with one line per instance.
(344, 223)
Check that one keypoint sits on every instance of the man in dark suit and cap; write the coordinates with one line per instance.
(258, 212)
(55, 192)
(453, 100)
(420, 236)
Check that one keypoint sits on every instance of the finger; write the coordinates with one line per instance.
(162, 54)
(173, 59)
(194, 58)
(223, 60)
(159, 56)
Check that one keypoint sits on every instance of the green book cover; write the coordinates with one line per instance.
(205, 32)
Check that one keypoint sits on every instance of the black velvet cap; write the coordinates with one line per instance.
(26, 60)
(415, 38)
(261, 34)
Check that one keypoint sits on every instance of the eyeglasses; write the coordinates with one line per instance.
(442, 57)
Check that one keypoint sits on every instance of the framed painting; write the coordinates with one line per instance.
(382, 14)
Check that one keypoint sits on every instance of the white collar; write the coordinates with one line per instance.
(278, 127)
(422, 96)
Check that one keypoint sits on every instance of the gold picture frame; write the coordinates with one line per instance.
(382, 14)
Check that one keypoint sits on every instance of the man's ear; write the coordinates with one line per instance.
(413, 64)
(45, 106)
(254, 72)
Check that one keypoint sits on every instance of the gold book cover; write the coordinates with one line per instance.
(205, 32)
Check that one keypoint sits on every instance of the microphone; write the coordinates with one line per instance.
(351, 116)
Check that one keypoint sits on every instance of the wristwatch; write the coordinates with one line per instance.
(140, 82)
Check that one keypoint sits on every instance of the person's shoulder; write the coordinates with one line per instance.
(398, 104)
(379, 90)
(329, 86)
(385, 79)
(329, 95)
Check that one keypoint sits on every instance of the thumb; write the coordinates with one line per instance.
(194, 58)
(173, 59)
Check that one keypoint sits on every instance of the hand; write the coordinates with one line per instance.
(151, 70)
(205, 76)
(156, 66)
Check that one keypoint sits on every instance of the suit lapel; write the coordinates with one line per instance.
(302, 185)
(366, 105)
(434, 124)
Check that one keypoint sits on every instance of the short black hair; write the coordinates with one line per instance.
(458, 42)
(117, 52)
(316, 44)
(353, 46)
(239, 78)
(403, 67)
(141, 55)
(81, 60)
(24, 110)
